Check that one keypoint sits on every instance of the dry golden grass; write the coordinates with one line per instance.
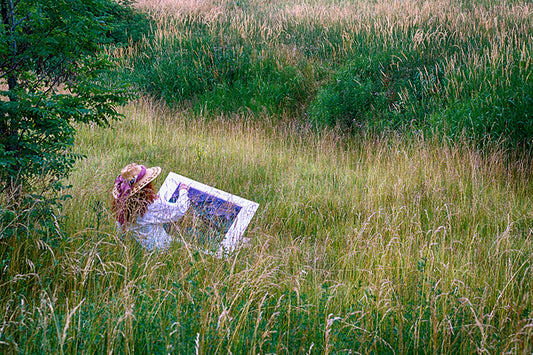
(432, 240)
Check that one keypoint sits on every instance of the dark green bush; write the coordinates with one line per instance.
(377, 91)
(127, 23)
(53, 65)
(173, 75)
(260, 86)
(386, 90)
(495, 103)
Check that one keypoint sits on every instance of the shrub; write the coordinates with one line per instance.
(461, 95)
(495, 103)
(128, 23)
(378, 91)
(52, 62)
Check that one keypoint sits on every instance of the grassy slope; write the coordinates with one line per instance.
(372, 245)
(441, 65)
(375, 245)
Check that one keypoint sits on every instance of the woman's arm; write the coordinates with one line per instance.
(183, 202)
(162, 211)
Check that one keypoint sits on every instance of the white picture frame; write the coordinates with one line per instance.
(240, 215)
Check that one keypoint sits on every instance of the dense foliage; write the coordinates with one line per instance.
(52, 65)
(413, 89)
(204, 74)
(385, 90)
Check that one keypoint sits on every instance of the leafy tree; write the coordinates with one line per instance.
(51, 67)
(50, 70)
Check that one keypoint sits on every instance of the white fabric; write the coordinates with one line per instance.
(148, 229)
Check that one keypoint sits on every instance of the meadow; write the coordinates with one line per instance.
(374, 234)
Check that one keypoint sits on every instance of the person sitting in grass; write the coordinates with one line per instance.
(140, 210)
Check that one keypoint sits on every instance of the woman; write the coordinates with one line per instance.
(140, 210)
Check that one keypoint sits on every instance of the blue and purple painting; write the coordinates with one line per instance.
(219, 214)
(215, 220)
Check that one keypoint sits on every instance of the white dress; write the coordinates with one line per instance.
(149, 229)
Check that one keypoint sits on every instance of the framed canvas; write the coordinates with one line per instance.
(215, 221)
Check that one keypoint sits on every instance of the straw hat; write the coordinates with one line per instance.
(132, 179)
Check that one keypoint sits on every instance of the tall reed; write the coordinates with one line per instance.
(448, 67)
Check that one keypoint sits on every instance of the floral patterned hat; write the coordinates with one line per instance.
(133, 178)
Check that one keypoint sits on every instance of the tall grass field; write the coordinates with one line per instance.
(388, 145)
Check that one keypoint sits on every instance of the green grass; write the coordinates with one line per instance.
(374, 245)
(451, 68)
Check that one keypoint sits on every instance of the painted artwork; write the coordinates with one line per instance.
(216, 220)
